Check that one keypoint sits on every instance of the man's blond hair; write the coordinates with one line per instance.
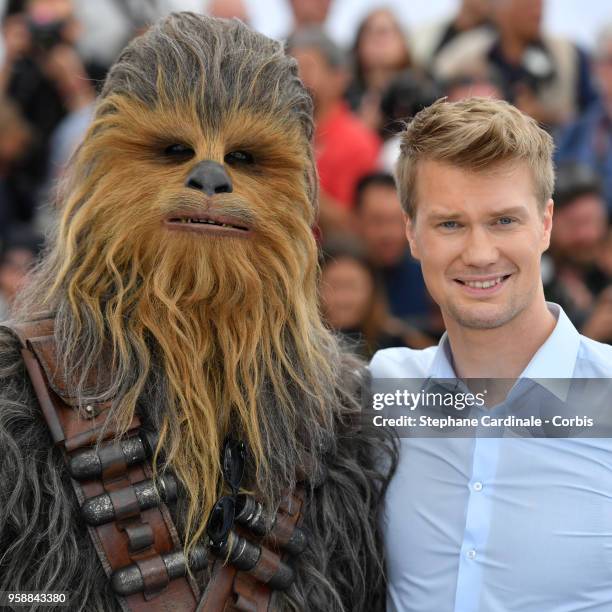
(477, 134)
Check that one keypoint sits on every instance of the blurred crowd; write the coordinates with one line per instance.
(56, 53)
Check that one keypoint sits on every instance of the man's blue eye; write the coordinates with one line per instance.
(449, 224)
(505, 220)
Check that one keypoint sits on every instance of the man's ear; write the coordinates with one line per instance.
(410, 234)
(547, 221)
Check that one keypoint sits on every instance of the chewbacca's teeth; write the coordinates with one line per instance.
(205, 221)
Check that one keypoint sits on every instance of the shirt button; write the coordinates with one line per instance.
(471, 554)
(477, 486)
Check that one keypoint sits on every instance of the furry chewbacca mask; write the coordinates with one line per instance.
(185, 245)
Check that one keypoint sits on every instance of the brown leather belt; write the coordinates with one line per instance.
(128, 520)
(136, 537)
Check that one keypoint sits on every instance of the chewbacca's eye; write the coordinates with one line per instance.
(179, 152)
(236, 158)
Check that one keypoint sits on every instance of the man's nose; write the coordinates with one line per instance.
(209, 177)
(480, 249)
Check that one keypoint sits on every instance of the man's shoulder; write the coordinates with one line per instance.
(402, 362)
(594, 359)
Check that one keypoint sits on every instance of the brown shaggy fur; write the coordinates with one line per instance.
(209, 335)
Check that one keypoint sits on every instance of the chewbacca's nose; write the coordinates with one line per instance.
(210, 177)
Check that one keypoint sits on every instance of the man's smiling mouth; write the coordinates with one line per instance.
(484, 285)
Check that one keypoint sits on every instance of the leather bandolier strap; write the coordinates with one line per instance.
(127, 518)
(232, 590)
(126, 536)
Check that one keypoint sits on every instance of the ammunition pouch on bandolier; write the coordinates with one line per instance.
(126, 511)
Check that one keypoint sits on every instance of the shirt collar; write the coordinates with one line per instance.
(442, 364)
(555, 359)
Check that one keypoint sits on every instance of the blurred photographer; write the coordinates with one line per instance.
(408, 93)
(430, 39)
(546, 77)
(16, 198)
(589, 139)
(574, 271)
(345, 147)
(36, 34)
(380, 52)
(33, 31)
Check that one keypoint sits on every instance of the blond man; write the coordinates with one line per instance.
(493, 524)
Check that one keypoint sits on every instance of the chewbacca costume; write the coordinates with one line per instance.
(180, 292)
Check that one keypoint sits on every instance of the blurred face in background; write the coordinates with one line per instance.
(310, 12)
(346, 292)
(325, 83)
(382, 225)
(480, 10)
(579, 229)
(14, 271)
(53, 21)
(50, 10)
(381, 42)
(227, 9)
(523, 18)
